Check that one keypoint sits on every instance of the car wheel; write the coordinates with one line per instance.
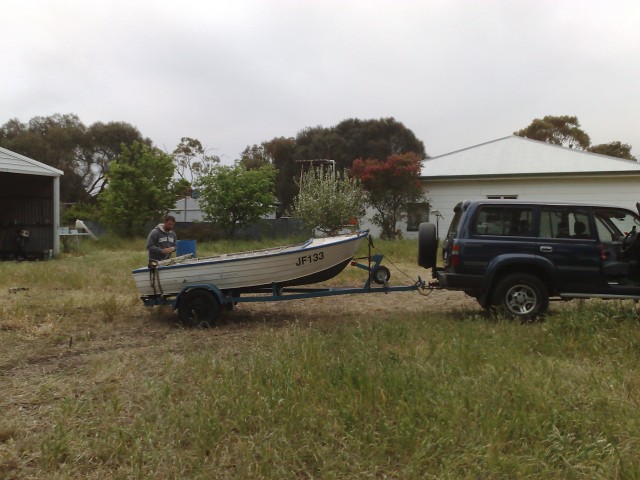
(521, 296)
(427, 245)
(198, 308)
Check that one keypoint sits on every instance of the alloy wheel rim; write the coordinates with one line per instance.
(521, 299)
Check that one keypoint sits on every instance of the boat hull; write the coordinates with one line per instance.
(316, 260)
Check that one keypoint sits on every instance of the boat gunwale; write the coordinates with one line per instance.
(277, 252)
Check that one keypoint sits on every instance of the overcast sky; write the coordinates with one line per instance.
(237, 72)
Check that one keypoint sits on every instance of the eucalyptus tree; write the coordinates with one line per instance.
(561, 130)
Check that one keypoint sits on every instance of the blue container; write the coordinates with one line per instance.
(186, 246)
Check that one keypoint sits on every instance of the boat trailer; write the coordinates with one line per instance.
(201, 304)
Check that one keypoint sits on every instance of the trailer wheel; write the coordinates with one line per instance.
(198, 308)
(380, 275)
(427, 245)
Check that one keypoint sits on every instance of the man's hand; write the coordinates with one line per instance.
(168, 249)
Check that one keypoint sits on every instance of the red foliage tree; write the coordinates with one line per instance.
(391, 185)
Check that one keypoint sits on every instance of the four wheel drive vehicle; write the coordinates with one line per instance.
(516, 255)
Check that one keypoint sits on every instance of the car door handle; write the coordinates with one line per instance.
(546, 249)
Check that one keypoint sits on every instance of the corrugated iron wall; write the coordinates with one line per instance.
(26, 203)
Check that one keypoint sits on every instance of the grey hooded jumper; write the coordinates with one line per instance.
(159, 239)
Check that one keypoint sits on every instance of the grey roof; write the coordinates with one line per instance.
(12, 162)
(519, 156)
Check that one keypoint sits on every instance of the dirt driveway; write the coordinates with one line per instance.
(352, 306)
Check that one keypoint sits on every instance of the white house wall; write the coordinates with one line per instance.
(443, 195)
(374, 230)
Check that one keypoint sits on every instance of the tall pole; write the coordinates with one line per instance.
(56, 215)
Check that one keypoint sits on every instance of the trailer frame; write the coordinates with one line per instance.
(198, 309)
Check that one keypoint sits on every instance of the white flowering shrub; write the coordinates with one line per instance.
(329, 203)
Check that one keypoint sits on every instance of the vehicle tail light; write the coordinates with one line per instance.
(455, 254)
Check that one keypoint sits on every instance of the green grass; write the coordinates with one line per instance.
(94, 385)
(413, 397)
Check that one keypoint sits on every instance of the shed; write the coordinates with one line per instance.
(30, 213)
(520, 168)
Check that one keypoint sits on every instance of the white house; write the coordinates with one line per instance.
(521, 168)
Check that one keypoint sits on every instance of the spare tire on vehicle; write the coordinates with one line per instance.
(427, 245)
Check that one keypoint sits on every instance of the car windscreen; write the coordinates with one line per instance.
(618, 222)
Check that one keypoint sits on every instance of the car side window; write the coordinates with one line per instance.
(565, 222)
(504, 221)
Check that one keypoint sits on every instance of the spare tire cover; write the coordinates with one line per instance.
(427, 245)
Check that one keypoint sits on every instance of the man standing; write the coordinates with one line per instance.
(162, 239)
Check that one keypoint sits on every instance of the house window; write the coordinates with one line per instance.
(416, 214)
(502, 197)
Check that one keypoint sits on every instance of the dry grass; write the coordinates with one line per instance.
(95, 385)
(74, 328)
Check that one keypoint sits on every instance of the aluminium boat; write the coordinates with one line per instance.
(313, 261)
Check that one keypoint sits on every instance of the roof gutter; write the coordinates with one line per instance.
(511, 176)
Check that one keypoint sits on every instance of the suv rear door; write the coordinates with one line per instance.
(567, 239)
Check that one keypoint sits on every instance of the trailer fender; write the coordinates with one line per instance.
(217, 293)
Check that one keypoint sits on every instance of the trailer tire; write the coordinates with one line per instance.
(198, 308)
(380, 275)
(427, 245)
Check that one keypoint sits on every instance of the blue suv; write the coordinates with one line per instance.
(516, 255)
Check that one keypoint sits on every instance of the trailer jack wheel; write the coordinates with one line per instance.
(380, 275)
(198, 308)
